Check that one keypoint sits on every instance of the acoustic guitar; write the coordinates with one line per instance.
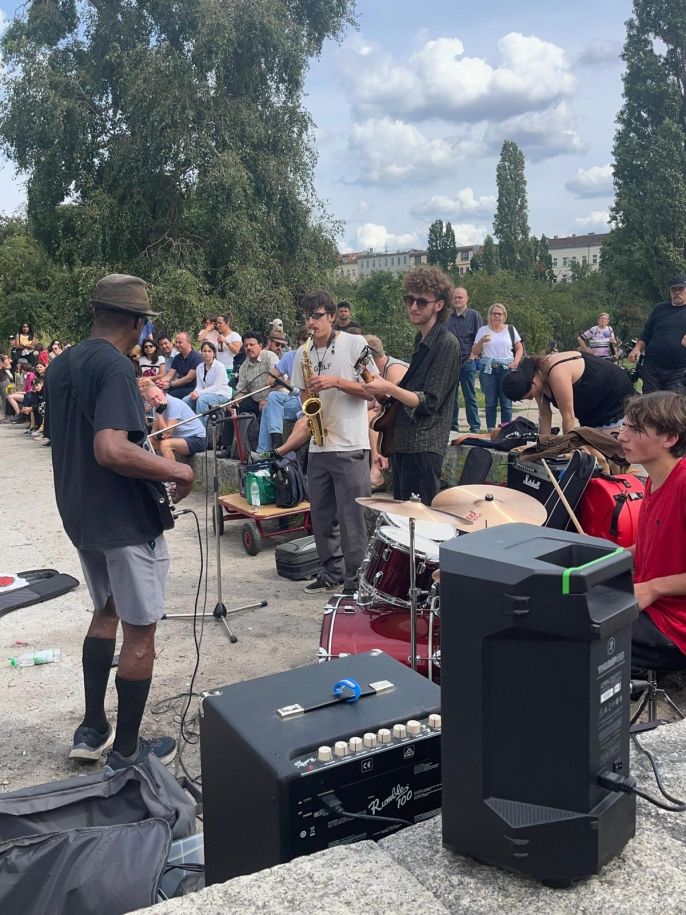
(384, 421)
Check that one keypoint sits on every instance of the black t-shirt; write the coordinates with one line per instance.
(99, 508)
(663, 333)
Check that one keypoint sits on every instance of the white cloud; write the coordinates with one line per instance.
(540, 134)
(378, 238)
(591, 182)
(465, 202)
(391, 152)
(438, 81)
(468, 234)
(598, 53)
(598, 219)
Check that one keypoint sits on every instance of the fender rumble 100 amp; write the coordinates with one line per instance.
(315, 757)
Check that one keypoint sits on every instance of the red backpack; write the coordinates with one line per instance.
(610, 506)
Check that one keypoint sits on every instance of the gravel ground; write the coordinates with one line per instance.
(41, 706)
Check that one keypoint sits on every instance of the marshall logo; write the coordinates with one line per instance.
(399, 796)
(532, 484)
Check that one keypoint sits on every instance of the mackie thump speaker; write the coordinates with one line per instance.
(536, 656)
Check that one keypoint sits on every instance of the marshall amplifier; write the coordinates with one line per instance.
(291, 766)
(572, 475)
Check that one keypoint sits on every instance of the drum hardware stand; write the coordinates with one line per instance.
(414, 592)
(220, 611)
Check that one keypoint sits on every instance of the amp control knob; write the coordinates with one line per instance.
(369, 740)
(384, 735)
(413, 728)
(340, 748)
(355, 744)
(399, 731)
(324, 754)
(435, 722)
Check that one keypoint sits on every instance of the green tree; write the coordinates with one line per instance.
(449, 247)
(490, 256)
(441, 248)
(543, 261)
(160, 136)
(647, 241)
(511, 221)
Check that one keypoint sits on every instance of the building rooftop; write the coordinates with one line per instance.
(577, 241)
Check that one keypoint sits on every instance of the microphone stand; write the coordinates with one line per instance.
(220, 612)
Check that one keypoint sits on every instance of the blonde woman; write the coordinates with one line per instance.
(499, 348)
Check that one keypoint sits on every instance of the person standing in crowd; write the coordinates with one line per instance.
(211, 384)
(344, 321)
(25, 342)
(663, 341)
(499, 348)
(464, 322)
(427, 391)
(96, 423)
(654, 435)
(228, 343)
(582, 387)
(255, 373)
(599, 340)
(209, 329)
(338, 467)
(180, 379)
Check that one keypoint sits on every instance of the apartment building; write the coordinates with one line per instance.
(582, 249)
(363, 264)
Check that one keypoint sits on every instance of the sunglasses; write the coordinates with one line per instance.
(417, 300)
(315, 315)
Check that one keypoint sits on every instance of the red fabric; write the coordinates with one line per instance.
(44, 357)
(661, 550)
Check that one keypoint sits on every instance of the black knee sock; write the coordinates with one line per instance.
(97, 661)
(132, 694)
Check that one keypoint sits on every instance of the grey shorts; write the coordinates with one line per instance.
(134, 576)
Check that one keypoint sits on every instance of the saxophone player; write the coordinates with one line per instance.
(338, 462)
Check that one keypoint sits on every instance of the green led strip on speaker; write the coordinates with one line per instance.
(567, 572)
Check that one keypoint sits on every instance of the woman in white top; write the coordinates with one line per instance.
(499, 348)
(211, 384)
(151, 360)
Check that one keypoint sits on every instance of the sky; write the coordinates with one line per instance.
(412, 107)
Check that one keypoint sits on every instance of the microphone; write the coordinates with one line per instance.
(289, 387)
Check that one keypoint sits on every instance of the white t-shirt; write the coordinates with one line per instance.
(224, 354)
(344, 417)
(500, 344)
(149, 368)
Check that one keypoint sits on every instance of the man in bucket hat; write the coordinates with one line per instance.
(97, 426)
(663, 341)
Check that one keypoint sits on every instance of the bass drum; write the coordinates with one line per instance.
(348, 628)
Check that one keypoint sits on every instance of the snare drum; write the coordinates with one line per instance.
(439, 533)
(348, 628)
(385, 572)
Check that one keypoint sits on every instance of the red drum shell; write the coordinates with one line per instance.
(385, 575)
(348, 628)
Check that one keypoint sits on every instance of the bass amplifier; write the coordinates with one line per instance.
(572, 475)
(289, 767)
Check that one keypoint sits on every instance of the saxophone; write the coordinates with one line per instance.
(312, 407)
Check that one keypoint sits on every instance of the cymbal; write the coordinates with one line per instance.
(479, 506)
(408, 509)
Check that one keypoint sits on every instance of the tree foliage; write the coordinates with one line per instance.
(169, 139)
(647, 243)
(511, 221)
(489, 256)
(441, 248)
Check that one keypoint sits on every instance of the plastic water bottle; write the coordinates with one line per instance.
(29, 658)
(255, 494)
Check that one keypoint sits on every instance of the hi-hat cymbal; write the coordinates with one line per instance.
(408, 509)
(482, 505)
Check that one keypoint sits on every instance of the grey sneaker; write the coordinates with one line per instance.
(321, 583)
(89, 744)
(163, 747)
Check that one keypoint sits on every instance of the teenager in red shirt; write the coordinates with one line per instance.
(654, 435)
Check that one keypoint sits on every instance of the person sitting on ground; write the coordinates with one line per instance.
(654, 435)
(211, 385)
(582, 387)
(151, 361)
(22, 385)
(281, 404)
(189, 438)
(343, 319)
(179, 381)
(599, 340)
(254, 374)
(31, 405)
(6, 385)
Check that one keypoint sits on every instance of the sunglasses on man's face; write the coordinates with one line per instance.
(315, 315)
(417, 300)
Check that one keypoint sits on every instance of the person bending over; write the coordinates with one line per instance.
(186, 439)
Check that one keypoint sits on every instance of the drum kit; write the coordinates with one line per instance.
(398, 599)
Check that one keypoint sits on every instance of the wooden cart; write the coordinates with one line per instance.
(235, 507)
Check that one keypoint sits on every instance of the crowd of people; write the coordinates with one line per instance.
(94, 414)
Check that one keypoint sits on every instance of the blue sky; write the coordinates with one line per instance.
(412, 108)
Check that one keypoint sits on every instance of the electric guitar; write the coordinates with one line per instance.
(384, 421)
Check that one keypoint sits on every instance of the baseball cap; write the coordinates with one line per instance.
(678, 280)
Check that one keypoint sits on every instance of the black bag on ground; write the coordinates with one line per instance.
(297, 559)
(289, 483)
(521, 431)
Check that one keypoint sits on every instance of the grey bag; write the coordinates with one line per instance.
(128, 796)
(96, 870)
